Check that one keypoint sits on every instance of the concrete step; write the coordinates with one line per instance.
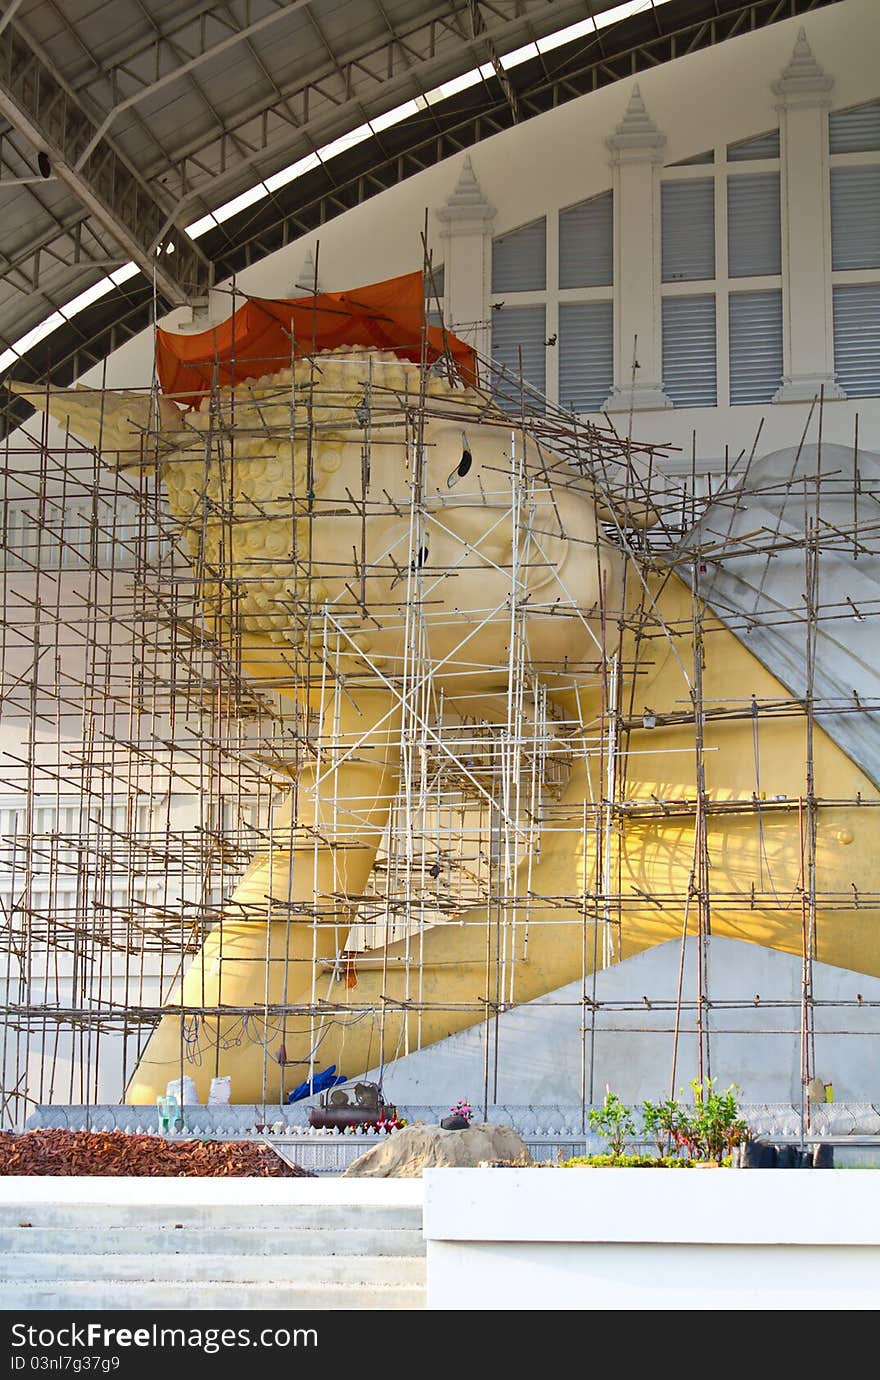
(224, 1245)
(259, 1217)
(279, 1270)
(190, 1240)
(122, 1295)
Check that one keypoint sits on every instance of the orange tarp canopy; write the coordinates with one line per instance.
(257, 338)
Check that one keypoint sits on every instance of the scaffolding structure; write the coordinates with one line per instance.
(143, 767)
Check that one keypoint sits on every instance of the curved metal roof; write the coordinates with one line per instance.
(122, 121)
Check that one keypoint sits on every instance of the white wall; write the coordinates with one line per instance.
(695, 1240)
(543, 1054)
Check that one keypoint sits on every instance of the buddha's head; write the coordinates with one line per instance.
(353, 514)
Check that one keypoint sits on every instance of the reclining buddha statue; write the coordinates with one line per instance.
(376, 538)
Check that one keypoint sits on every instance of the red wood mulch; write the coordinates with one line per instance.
(117, 1152)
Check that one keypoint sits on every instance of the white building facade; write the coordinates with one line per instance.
(696, 254)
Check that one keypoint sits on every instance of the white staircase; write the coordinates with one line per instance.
(211, 1244)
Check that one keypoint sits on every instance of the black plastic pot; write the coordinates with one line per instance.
(760, 1154)
(757, 1154)
(454, 1123)
(789, 1157)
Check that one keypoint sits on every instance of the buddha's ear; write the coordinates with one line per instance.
(123, 426)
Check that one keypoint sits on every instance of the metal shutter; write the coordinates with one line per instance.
(14, 536)
(762, 146)
(586, 243)
(707, 157)
(855, 218)
(755, 346)
(754, 240)
(586, 355)
(519, 260)
(515, 330)
(688, 229)
(435, 289)
(857, 339)
(689, 351)
(856, 130)
(435, 283)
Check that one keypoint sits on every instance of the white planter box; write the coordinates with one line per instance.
(652, 1239)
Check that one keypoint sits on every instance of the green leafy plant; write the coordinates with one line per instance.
(705, 1131)
(613, 1122)
(660, 1120)
(712, 1126)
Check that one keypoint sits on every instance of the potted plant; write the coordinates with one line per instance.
(459, 1118)
(613, 1122)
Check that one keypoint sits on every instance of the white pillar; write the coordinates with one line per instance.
(466, 229)
(805, 97)
(636, 154)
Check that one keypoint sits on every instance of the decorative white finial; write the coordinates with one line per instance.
(306, 280)
(803, 77)
(636, 130)
(468, 203)
(467, 186)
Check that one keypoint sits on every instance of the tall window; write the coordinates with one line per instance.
(519, 259)
(689, 350)
(519, 353)
(854, 142)
(754, 239)
(755, 320)
(857, 338)
(552, 327)
(586, 358)
(721, 262)
(586, 243)
(519, 316)
(435, 293)
(585, 354)
(688, 230)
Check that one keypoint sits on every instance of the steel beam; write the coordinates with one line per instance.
(384, 162)
(481, 112)
(37, 102)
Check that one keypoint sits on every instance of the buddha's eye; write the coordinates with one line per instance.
(464, 464)
(419, 559)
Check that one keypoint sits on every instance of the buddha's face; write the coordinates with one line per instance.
(385, 542)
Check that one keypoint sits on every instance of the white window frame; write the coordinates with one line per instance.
(850, 277)
(552, 296)
(545, 297)
(576, 295)
(722, 286)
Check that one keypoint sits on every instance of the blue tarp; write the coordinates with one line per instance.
(319, 1082)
